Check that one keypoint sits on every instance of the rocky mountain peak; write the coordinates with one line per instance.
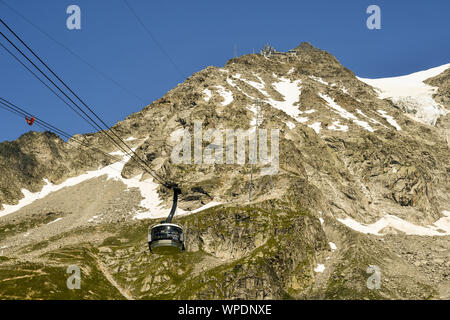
(355, 172)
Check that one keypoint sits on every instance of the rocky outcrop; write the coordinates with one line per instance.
(442, 82)
(36, 156)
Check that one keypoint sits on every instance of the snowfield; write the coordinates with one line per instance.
(151, 203)
(411, 94)
(291, 91)
(112, 171)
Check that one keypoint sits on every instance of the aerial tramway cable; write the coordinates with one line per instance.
(160, 47)
(149, 170)
(56, 94)
(164, 238)
(20, 112)
(9, 106)
(103, 74)
(45, 84)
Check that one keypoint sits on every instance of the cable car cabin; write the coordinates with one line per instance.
(166, 238)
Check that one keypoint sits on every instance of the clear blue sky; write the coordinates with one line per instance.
(196, 34)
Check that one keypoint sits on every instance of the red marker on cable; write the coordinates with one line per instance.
(30, 121)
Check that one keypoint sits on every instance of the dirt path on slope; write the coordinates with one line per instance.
(125, 293)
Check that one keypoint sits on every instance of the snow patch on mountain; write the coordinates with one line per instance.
(206, 206)
(336, 126)
(389, 119)
(316, 126)
(332, 246)
(370, 119)
(318, 79)
(260, 86)
(112, 171)
(320, 268)
(344, 113)
(208, 94)
(225, 94)
(291, 92)
(290, 125)
(151, 202)
(56, 220)
(440, 228)
(364, 125)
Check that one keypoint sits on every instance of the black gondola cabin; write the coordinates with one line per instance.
(166, 238)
